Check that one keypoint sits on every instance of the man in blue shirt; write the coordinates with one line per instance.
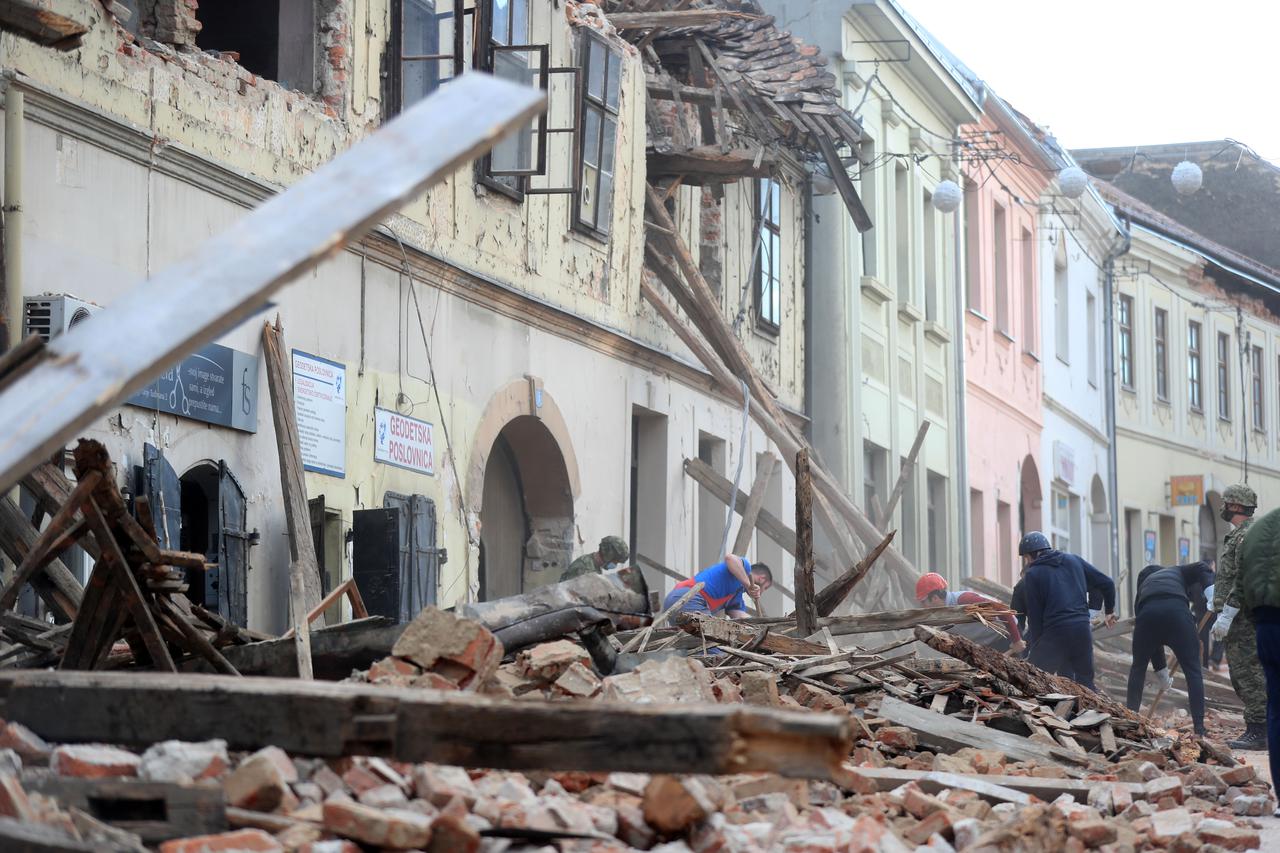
(1057, 587)
(722, 588)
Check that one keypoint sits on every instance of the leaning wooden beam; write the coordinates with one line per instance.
(55, 585)
(49, 543)
(806, 611)
(896, 620)
(350, 590)
(755, 502)
(707, 164)
(1025, 676)
(904, 474)
(50, 488)
(702, 96)
(304, 566)
(56, 23)
(104, 360)
(423, 725)
(831, 596)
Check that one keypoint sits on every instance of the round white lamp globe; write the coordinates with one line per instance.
(1073, 181)
(1186, 177)
(947, 196)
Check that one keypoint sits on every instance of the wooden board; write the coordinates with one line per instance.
(155, 811)
(329, 720)
(735, 633)
(951, 734)
(1047, 790)
(335, 650)
(226, 280)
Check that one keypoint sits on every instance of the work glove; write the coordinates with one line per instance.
(1222, 624)
(1164, 678)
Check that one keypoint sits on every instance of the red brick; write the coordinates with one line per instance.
(93, 761)
(1232, 838)
(1093, 832)
(896, 737)
(440, 784)
(391, 666)
(332, 845)
(851, 778)
(463, 651)
(360, 779)
(939, 822)
(919, 804)
(1236, 776)
(1164, 786)
(816, 699)
(548, 661)
(261, 782)
(432, 681)
(451, 834)
(13, 800)
(28, 744)
(239, 840)
(398, 829)
(760, 688)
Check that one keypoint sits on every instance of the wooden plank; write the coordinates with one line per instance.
(708, 164)
(948, 733)
(172, 810)
(104, 360)
(833, 594)
(895, 620)
(335, 650)
(1046, 789)
(51, 487)
(1108, 736)
(55, 585)
(325, 603)
(43, 549)
(736, 633)
(415, 725)
(641, 639)
(755, 502)
(55, 23)
(699, 95)
(196, 641)
(304, 567)
(806, 612)
(908, 466)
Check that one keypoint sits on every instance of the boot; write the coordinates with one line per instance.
(1254, 737)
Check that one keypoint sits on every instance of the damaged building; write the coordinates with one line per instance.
(481, 387)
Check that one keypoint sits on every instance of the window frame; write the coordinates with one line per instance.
(584, 101)
(773, 229)
(395, 81)
(1160, 344)
(1224, 376)
(1124, 320)
(1195, 383)
(1257, 370)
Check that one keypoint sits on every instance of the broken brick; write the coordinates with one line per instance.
(451, 834)
(179, 761)
(760, 688)
(578, 681)
(548, 661)
(239, 841)
(399, 829)
(30, 746)
(1164, 786)
(261, 782)
(93, 761)
(672, 804)
(896, 737)
(13, 800)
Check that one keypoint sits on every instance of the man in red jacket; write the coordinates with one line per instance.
(931, 591)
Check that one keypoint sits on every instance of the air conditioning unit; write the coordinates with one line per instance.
(51, 314)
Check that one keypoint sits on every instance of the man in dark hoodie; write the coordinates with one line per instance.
(1057, 587)
(1162, 611)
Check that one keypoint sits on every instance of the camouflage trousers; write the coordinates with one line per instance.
(1247, 678)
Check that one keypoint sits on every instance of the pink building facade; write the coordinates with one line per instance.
(1003, 346)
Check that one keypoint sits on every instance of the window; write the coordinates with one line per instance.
(506, 53)
(1224, 376)
(1091, 330)
(867, 189)
(1259, 404)
(1194, 397)
(936, 485)
(1060, 519)
(1125, 322)
(874, 476)
(1161, 338)
(908, 534)
(902, 234)
(432, 50)
(1061, 313)
(768, 271)
(1029, 336)
(972, 248)
(931, 307)
(599, 134)
(1001, 263)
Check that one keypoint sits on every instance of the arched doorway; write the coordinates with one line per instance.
(1099, 526)
(212, 510)
(1030, 498)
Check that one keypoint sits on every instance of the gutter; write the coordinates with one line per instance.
(14, 118)
(961, 429)
(1113, 478)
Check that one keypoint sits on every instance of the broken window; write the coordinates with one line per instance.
(768, 271)
(432, 48)
(602, 68)
(275, 39)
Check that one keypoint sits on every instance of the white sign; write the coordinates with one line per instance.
(1064, 462)
(403, 442)
(320, 406)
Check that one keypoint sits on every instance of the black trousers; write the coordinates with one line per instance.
(1167, 622)
(1066, 650)
(1267, 628)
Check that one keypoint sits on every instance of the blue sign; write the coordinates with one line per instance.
(215, 384)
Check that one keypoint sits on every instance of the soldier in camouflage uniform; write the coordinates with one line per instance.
(1235, 628)
(613, 551)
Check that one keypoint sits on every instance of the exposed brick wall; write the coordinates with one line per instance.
(333, 63)
(710, 238)
(170, 21)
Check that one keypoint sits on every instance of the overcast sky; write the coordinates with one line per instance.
(1125, 72)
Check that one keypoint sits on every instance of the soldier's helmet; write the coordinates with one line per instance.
(1241, 494)
(614, 549)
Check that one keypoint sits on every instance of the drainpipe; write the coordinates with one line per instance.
(960, 427)
(1113, 478)
(13, 121)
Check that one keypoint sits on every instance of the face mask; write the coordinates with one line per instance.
(1226, 514)
(610, 566)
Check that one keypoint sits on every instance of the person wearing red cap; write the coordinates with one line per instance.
(931, 591)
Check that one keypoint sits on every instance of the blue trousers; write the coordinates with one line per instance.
(1066, 650)
(1267, 631)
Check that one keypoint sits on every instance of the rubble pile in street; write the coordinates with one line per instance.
(1034, 772)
